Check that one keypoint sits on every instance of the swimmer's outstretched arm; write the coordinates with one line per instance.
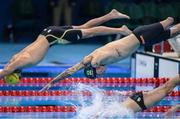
(64, 74)
(68, 72)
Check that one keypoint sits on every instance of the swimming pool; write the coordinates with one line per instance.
(65, 99)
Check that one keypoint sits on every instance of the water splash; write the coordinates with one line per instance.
(100, 106)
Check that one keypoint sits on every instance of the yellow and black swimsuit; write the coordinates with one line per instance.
(61, 34)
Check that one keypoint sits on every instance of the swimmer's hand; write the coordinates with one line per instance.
(92, 60)
(45, 88)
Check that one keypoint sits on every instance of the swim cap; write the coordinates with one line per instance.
(90, 71)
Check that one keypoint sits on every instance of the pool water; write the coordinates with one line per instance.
(79, 98)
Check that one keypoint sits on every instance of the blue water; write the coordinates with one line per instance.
(74, 100)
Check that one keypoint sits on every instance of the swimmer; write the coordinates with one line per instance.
(171, 111)
(94, 64)
(143, 100)
(175, 44)
(35, 52)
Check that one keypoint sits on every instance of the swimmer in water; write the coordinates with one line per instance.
(94, 63)
(142, 100)
(35, 52)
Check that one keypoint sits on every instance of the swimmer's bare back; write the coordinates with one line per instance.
(29, 56)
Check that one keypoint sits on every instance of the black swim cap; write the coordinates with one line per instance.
(90, 72)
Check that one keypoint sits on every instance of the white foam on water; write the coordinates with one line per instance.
(100, 107)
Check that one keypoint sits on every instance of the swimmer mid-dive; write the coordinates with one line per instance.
(120, 49)
(35, 52)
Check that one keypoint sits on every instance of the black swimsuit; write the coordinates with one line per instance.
(139, 99)
(149, 35)
(61, 34)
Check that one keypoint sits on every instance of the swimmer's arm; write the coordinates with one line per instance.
(63, 75)
(68, 72)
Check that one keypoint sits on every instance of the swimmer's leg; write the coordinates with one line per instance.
(166, 34)
(156, 95)
(103, 30)
(167, 22)
(150, 34)
(30, 56)
(114, 14)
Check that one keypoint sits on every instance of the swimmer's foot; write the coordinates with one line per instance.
(126, 30)
(114, 14)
